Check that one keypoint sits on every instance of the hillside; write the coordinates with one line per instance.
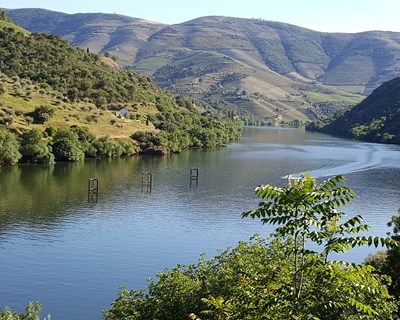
(217, 57)
(46, 86)
(376, 119)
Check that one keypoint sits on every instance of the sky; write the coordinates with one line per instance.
(320, 15)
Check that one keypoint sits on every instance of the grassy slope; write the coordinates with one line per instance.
(22, 95)
(6, 24)
(68, 114)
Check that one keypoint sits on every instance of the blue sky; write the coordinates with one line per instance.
(320, 15)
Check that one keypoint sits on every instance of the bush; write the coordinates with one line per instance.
(42, 114)
(66, 146)
(106, 147)
(255, 281)
(147, 140)
(34, 149)
(9, 148)
(32, 313)
(388, 263)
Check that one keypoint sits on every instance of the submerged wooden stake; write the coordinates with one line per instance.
(93, 189)
(194, 176)
(147, 181)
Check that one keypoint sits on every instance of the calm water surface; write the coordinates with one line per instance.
(73, 255)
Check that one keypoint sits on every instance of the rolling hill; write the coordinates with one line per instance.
(274, 70)
(46, 86)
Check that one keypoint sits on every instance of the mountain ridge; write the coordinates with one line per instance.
(325, 50)
(270, 61)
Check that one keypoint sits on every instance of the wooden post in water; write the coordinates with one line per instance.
(147, 181)
(194, 176)
(93, 189)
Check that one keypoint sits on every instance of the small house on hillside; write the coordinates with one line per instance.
(123, 113)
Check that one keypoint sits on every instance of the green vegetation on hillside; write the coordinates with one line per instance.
(48, 87)
(376, 119)
(74, 73)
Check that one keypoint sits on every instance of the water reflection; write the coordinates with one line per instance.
(57, 247)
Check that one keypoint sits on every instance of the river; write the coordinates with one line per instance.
(73, 254)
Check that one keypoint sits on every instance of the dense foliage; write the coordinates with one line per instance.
(183, 127)
(75, 73)
(177, 130)
(276, 278)
(32, 313)
(9, 153)
(388, 262)
(34, 148)
(42, 113)
(392, 265)
(64, 144)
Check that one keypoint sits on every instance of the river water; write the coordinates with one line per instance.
(73, 255)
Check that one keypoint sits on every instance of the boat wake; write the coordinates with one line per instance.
(367, 157)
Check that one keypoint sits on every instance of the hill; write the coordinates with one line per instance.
(285, 71)
(47, 85)
(376, 119)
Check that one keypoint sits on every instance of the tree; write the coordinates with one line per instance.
(392, 265)
(106, 147)
(66, 146)
(9, 148)
(309, 212)
(234, 277)
(34, 149)
(388, 263)
(42, 113)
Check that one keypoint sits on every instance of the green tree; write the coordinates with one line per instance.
(32, 313)
(66, 146)
(388, 262)
(86, 140)
(42, 113)
(309, 212)
(9, 148)
(34, 149)
(107, 147)
(236, 277)
(392, 265)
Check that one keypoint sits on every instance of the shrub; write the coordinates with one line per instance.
(32, 313)
(9, 148)
(66, 146)
(42, 114)
(33, 148)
